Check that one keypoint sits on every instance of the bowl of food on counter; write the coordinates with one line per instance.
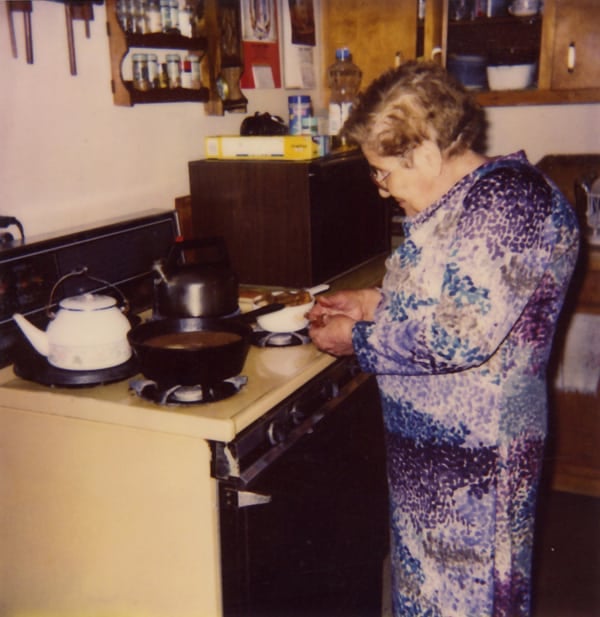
(292, 317)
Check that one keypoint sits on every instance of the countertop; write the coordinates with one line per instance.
(273, 374)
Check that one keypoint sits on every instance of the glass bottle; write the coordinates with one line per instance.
(186, 18)
(153, 16)
(165, 14)
(140, 72)
(153, 70)
(174, 70)
(344, 79)
(196, 73)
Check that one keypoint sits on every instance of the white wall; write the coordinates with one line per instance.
(544, 129)
(69, 156)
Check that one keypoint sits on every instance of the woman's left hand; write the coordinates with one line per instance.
(333, 334)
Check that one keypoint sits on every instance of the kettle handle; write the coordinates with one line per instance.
(80, 272)
(217, 243)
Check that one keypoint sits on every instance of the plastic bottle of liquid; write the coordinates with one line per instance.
(344, 83)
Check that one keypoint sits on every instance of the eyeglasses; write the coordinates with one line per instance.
(379, 177)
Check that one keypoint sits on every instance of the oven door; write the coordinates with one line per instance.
(304, 528)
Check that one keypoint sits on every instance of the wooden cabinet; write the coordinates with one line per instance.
(374, 31)
(291, 223)
(565, 41)
(572, 39)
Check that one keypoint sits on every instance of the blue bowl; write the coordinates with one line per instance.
(470, 70)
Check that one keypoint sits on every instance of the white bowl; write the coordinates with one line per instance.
(511, 76)
(290, 318)
(524, 8)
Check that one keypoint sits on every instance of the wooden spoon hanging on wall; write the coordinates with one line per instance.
(79, 10)
(25, 7)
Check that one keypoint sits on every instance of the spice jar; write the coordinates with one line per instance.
(186, 17)
(153, 70)
(165, 14)
(174, 14)
(196, 75)
(186, 73)
(163, 77)
(140, 72)
(174, 70)
(153, 16)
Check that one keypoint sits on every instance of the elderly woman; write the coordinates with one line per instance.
(459, 337)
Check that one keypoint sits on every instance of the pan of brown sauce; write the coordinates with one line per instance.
(194, 350)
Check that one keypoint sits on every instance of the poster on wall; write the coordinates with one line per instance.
(260, 44)
(299, 41)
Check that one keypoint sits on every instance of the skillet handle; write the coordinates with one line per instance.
(251, 316)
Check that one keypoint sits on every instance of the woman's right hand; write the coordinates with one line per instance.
(358, 305)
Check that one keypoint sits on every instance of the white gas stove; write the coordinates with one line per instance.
(114, 504)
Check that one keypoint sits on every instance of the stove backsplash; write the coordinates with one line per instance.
(119, 251)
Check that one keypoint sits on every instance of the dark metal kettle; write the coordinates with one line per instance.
(206, 287)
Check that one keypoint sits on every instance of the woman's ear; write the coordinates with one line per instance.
(428, 158)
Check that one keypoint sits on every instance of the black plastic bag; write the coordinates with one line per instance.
(263, 124)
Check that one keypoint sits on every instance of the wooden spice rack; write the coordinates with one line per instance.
(120, 44)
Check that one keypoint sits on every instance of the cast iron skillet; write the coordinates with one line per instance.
(192, 365)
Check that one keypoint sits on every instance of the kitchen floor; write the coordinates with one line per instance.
(567, 556)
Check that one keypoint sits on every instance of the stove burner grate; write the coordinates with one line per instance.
(187, 395)
(262, 338)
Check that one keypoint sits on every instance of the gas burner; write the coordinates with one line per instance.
(187, 395)
(262, 338)
(32, 366)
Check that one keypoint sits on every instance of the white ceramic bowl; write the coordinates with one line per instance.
(524, 8)
(290, 318)
(511, 76)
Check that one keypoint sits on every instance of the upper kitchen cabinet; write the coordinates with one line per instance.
(564, 41)
(572, 47)
(374, 31)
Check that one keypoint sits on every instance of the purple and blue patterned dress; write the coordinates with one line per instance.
(460, 346)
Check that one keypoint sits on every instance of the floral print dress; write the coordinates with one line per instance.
(460, 346)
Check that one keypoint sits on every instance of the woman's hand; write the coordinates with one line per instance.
(358, 305)
(333, 334)
(333, 316)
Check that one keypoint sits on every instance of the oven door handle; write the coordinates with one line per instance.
(248, 498)
(248, 475)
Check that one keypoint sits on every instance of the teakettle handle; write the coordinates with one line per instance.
(81, 272)
(217, 243)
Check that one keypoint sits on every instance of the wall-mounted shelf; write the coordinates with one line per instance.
(203, 45)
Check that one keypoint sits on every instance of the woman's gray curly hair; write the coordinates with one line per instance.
(413, 103)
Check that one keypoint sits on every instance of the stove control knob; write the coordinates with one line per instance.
(278, 430)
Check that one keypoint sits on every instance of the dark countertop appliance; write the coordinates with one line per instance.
(293, 223)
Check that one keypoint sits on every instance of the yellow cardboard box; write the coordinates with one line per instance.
(285, 147)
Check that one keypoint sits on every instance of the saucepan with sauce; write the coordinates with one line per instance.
(194, 350)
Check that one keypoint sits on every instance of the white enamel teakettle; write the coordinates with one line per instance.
(88, 332)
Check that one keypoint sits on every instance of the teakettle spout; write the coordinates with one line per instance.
(38, 338)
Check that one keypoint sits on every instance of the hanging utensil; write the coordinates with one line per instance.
(11, 31)
(80, 10)
(25, 7)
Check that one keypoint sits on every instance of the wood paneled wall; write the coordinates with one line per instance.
(374, 30)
